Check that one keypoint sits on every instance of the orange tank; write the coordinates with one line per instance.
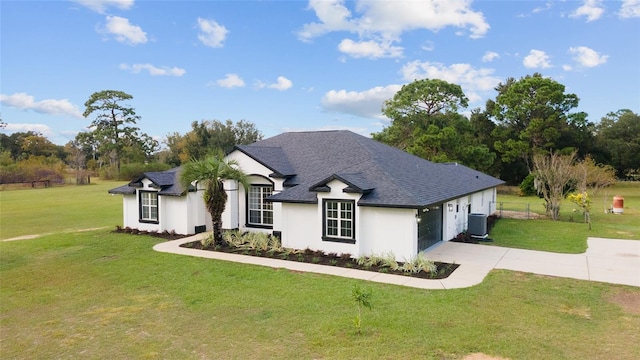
(618, 204)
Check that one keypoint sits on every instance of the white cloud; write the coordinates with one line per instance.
(383, 22)
(153, 70)
(23, 101)
(367, 104)
(282, 84)
(536, 59)
(124, 31)
(333, 16)
(630, 9)
(230, 81)
(591, 9)
(587, 57)
(211, 33)
(428, 46)
(369, 49)
(472, 80)
(546, 7)
(37, 128)
(100, 6)
(489, 56)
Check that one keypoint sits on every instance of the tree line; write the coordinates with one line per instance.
(113, 147)
(528, 116)
(531, 115)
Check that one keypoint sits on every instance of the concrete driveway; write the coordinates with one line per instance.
(607, 260)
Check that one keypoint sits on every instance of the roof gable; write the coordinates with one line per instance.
(356, 183)
(167, 182)
(271, 157)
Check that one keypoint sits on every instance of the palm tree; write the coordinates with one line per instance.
(212, 171)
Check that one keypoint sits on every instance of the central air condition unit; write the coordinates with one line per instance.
(478, 226)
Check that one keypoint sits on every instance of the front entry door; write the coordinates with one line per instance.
(429, 227)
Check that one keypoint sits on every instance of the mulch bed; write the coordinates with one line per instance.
(466, 238)
(167, 235)
(331, 259)
(443, 270)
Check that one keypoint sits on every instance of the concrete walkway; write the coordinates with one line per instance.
(606, 260)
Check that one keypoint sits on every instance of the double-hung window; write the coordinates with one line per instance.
(260, 212)
(148, 206)
(339, 221)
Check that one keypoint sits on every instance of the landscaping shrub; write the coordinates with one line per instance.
(527, 187)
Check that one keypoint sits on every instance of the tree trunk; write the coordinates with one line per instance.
(216, 204)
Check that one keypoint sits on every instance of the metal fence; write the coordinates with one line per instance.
(513, 210)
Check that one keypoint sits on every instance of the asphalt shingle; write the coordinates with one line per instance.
(387, 176)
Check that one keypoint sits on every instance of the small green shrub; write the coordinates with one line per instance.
(374, 260)
(362, 298)
(234, 238)
(389, 261)
(419, 263)
(207, 241)
(527, 187)
(361, 260)
(275, 244)
(258, 240)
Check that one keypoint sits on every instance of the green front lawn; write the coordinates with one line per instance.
(59, 209)
(106, 295)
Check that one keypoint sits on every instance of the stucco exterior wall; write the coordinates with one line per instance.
(175, 213)
(235, 215)
(456, 212)
(384, 230)
(484, 202)
(301, 228)
(130, 211)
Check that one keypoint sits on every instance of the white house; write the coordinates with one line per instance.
(157, 202)
(335, 191)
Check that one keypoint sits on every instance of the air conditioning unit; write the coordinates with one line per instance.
(477, 226)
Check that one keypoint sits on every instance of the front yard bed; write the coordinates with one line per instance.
(265, 246)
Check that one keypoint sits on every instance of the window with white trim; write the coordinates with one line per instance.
(339, 220)
(149, 206)
(260, 212)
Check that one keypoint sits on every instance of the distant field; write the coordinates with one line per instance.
(59, 209)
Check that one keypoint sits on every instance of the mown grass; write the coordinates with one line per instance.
(59, 209)
(570, 233)
(101, 294)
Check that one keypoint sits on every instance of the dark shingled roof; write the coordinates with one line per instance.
(386, 176)
(167, 181)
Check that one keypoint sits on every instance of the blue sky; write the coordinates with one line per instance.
(298, 65)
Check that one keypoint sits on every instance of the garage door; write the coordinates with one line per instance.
(429, 227)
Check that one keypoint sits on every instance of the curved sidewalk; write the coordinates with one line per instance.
(606, 260)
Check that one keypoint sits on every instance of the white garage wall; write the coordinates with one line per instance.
(384, 230)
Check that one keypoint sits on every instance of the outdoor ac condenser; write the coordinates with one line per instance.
(477, 225)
